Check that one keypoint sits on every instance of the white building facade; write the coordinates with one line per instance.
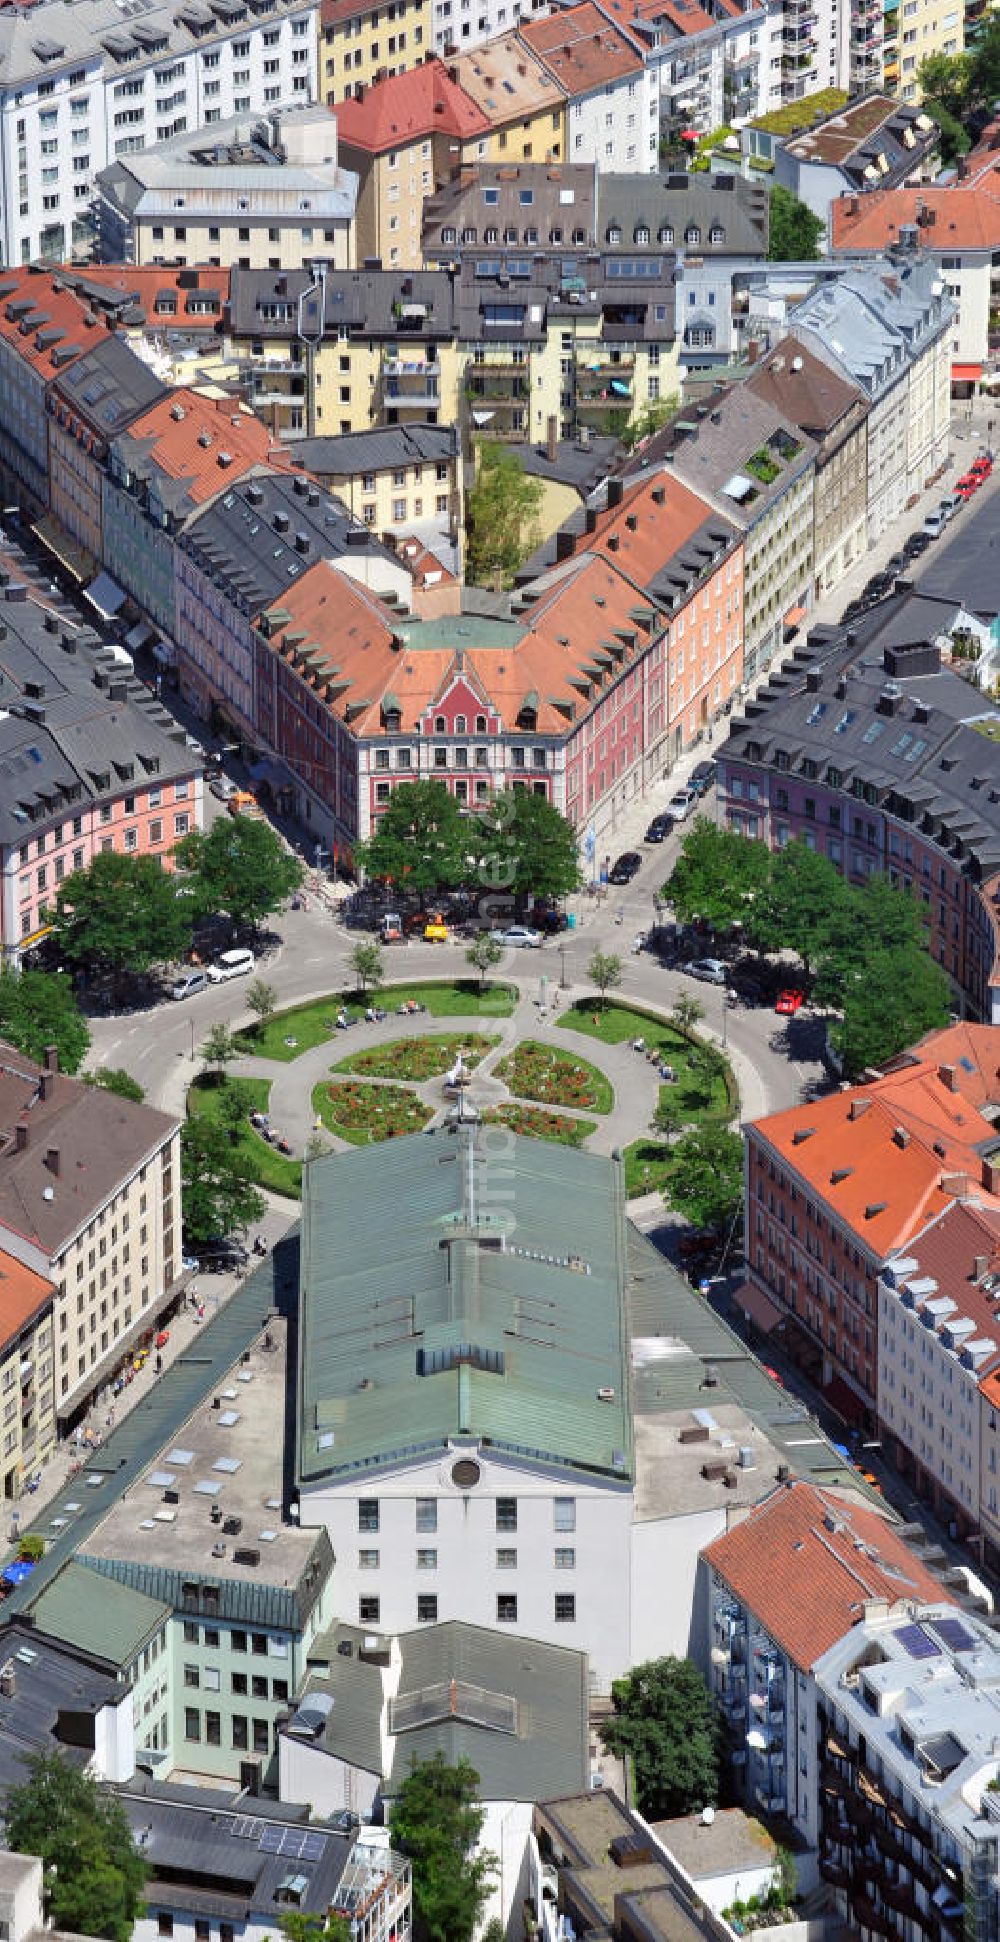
(617, 127)
(92, 84)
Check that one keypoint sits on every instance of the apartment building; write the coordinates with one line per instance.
(404, 481)
(268, 196)
(26, 1372)
(938, 1338)
(401, 137)
(43, 328)
(898, 788)
(89, 403)
(520, 98)
(835, 1190)
(519, 205)
(873, 143)
(780, 1589)
(907, 1712)
(361, 44)
(461, 25)
(958, 230)
(84, 86)
(834, 414)
(889, 331)
(95, 763)
(712, 64)
(173, 460)
(90, 1200)
(612, 96)
(744, 457)
(913, 29)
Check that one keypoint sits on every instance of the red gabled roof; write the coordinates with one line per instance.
(62, 320)
(582, 48)
(208, 443)
(410, 107)
(145, 285)
(806, 1561)
(964, 216)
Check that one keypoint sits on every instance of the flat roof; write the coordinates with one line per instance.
(732, 1840)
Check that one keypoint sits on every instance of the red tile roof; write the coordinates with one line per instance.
(408, 108)
(806, 1561)
(62, 311)
(190, 436)
(143, 286)
(965, 216)
(22, 1295)
(582, 49)
(960, 1252)
(887, 1157)
(426, 569)
(652, 525)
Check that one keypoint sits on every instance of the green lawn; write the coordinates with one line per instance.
(288, 1034)
(646, 1167)
(537, 1123)
(271, 1169)
(364, 1114)
(700, 1097)
(555, 1078)
(427, 1057)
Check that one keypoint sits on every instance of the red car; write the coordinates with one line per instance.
(981, 467)
(969, 483)
(789, 1002)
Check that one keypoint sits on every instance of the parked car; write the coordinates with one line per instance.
(950, 504)
(660, 828)
(520, 937)
(917, 544)
(222, 788)
(188, 983)
(222, 1255)
(625, 867)
(894, 566)
(682, 802)
(935, 523)
(702, 777)
(789, 1002)
(982, 466)
(242, 803)
(708, 970)
(968, 484)
(231, 964)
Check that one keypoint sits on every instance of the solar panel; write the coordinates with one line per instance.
(295, 1843)
(917, 1642)
(954, 1635)
(245, 1827)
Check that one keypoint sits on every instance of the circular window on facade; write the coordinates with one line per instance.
(465, 1474)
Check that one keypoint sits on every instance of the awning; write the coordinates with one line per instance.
(75, 559)
(758, 1307)
(841, 1397)
(34, 937)
(482, 417)
(139, 635)
(16, 1573)
(793, 619)
(106, 595)
(690, 135)
(966, 373)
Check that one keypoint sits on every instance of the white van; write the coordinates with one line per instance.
(231, 964)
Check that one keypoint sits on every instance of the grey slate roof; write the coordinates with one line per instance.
(418, 1327)
(212, 1851)
(109, 386)
(51, 1681)
(713, 458)
(382, 448)
(228, 159)
(872, 322)
(236, 542)
(491, 195)
(582, 464)
(81, 29)
(740, 208)
(853, 140)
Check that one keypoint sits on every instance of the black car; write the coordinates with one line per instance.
(222, 1256)
(851, 612)
(659, 829)
(625, 867)
(893, 566)
(702, 777)
(916, 544)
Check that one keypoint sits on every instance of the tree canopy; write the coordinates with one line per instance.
(437, 1820)
(501, 514)
(957, 88)
(718, 875)
(239, 866)
(902, 995)
(804, 901)
(93, 1874)
(123, 914)
(795, 233)
(421, 840)
(665, 1722)
(219, 1195)
(705, 1182)
(38, 1008)
(526, 846)
(114, 1078)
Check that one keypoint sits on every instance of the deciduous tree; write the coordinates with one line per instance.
(38, 1008)
(437, 1820)
(718, 876)
(421, 842)
(665, 1722)
(525, 845)
(239, 866)
(93, 1875)
(605, 972)
(114, 1078)
(368, 965)
(262, 999)
(501, 515)
(220, 1049)
(706, 1175)
(219, 1194)
(484, 954)
(901, 995)
(795, 233)
(123, 914)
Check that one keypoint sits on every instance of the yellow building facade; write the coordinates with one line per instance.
(360, 42)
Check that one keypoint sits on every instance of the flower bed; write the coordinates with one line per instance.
(543, 1072)
(537, 1124)
(419, 1058)
(364, 1114)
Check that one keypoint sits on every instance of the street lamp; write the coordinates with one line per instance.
(562, 967)
(191, 1023)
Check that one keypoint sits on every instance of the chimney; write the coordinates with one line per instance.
(565, 544)
(591, 519)
(991, 1183)
(50, 1058)
(901, 1136)
(45, 1086)
(753, 350)
(616, 492)
(948, 1077)
(52, 1160)
(857, 1107)
(551, 438)
(20, 1136)
(962, 168)
(980, 1265)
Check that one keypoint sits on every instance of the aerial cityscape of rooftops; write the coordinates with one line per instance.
(500, 970)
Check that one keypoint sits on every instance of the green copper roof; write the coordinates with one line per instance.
(111, 1621)
(467, 1285)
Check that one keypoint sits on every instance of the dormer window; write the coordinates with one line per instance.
(692, 234)
(393, 721)
(642, 233)
(614, 234)
(665, 233)
(716, 234)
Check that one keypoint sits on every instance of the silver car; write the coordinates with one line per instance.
(520, 937)
(709, 970)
